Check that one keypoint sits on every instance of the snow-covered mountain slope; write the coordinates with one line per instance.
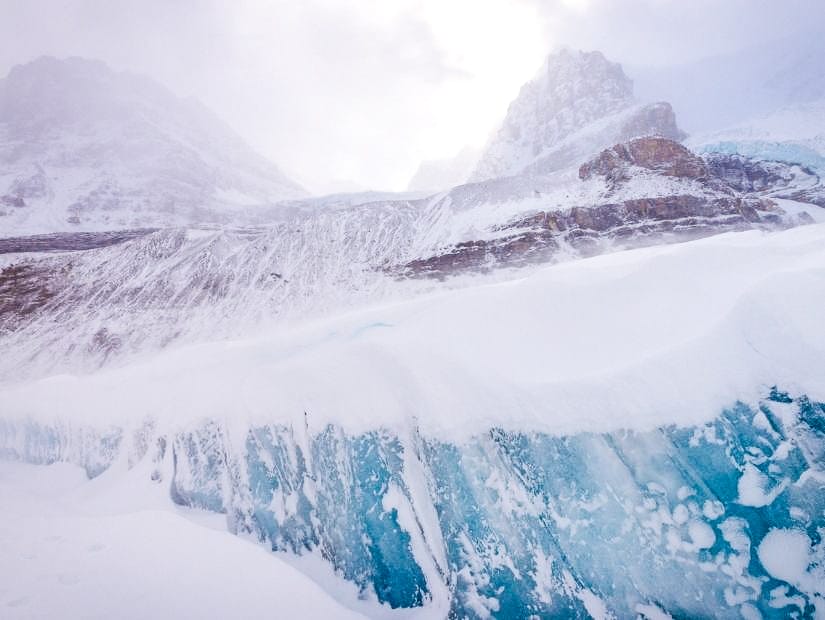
(599, 438)
(87, 148)
(548, 125)
(441, 174)
(649, 190)
(138, 292)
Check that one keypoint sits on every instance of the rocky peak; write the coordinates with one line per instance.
(570, 79)
(570, 91)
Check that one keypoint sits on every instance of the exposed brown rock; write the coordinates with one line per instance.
(658, 154)
(10, 200)
(69, 242)
(584, 230)
(25, 289)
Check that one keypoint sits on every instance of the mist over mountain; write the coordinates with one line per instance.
(728, 89)
(83, 146)
(440, 174)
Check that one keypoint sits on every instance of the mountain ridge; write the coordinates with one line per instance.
(84, 145)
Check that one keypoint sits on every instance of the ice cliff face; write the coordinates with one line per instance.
(82, 146)
(578, 103)
(718, 520)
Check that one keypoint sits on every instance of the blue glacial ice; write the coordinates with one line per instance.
(724, 520)
(789, 152)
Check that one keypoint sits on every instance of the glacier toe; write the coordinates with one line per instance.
(679, 520)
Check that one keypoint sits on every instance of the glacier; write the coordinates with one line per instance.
(512, 524)
(663, 459)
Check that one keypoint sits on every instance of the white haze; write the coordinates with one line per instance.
(354, 94)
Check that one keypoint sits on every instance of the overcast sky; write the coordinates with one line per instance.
(362, 90)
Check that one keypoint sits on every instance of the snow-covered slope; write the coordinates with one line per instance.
(599, 438)
(571, 92)
(131, 294)
(67, 541)
(85, 147)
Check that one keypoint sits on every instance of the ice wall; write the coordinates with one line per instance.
(720, 520)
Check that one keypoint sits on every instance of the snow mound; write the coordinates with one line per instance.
(664, 334)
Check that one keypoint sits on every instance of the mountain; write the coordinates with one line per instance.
(193, 280)
(149, 289)
(85, 147)
(440, 174)
(577, 104)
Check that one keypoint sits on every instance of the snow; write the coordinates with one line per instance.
(652, 612)
(785, 554)
(75, 547)
(666, 334)
(701, 534)
(753, 489)
(442, 174)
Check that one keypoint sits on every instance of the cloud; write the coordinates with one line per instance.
(666, 32)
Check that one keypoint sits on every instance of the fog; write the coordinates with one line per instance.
(348, 95)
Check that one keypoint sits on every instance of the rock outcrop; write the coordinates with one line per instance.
(586, 231)
(663, 156)
(693, 198)
(776, 178)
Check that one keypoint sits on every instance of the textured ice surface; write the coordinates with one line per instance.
(790, 152)
(510, 524)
